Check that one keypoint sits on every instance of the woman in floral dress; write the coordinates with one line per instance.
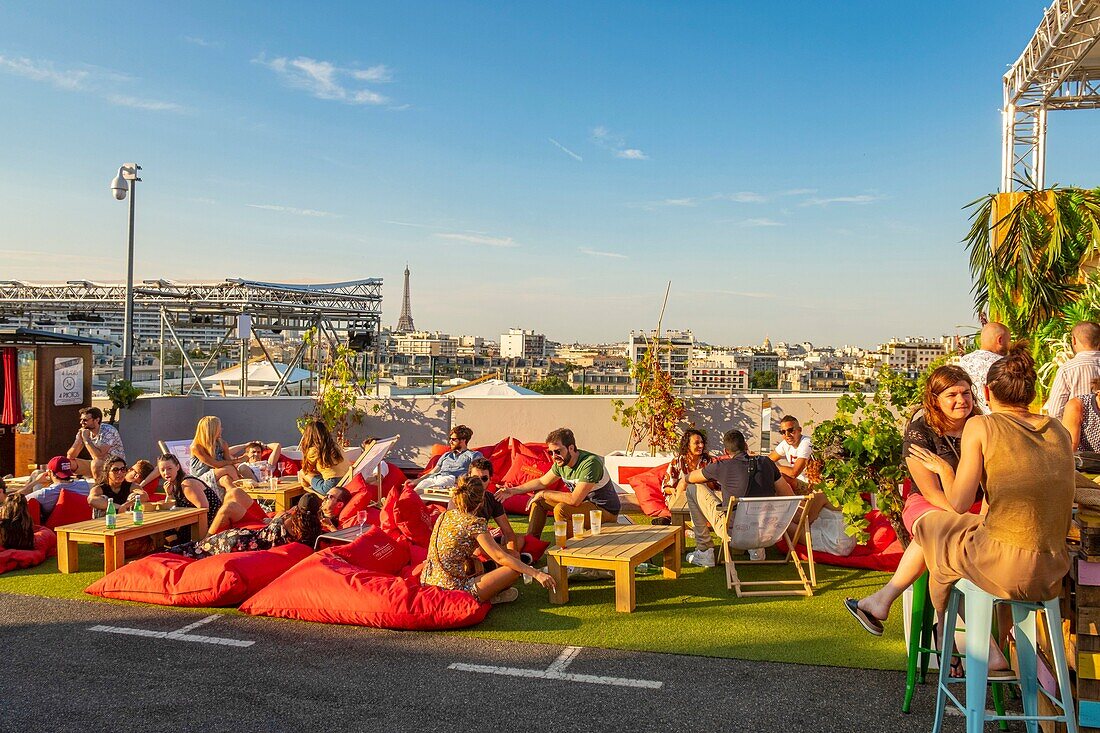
(300, 524)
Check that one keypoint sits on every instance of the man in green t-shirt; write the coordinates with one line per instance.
(588, 485)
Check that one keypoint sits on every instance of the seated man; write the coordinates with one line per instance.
(254, 466)
(102, 443)
(452, 464)
(741, 475)
(792, 454)
(491, 510)
(60, 474)
(584, 475)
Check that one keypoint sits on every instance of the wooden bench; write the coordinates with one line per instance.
(619, 548)
(94, 531)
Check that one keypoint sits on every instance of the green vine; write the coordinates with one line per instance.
(657, 413)
(336, 396)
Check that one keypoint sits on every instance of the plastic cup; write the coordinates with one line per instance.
(559, 533)
(273, 483)
(595, 520)
(578, 525)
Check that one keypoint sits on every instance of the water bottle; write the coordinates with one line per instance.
(139, 512)
(642, 569)
(112, 514)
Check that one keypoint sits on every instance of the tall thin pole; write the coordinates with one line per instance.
(128, 325)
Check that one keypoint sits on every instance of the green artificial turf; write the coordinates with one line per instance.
(693, 614)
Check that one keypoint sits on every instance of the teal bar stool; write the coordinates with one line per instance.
(979, 624)
(921, 618)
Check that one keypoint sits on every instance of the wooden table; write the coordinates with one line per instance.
(95, 531)
(285, 493)
(620, 548)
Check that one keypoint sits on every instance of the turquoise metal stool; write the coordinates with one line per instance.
(979, 623)
(921, 618)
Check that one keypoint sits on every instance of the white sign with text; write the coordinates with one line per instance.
(68, 380)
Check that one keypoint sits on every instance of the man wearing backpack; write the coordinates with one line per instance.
(740, 475)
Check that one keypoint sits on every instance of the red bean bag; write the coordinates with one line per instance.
(45, 545)
(529, 461)
(500, 455)
(406, 515)
(647, 488)
(349, 515)
(376, 551)
(35, 510)
(71, 507)
(330, 588)
(883, 550)
(220, 580)
(152, 488)
(393, 480)
(288, 466)
(536, 546)
(254, 518)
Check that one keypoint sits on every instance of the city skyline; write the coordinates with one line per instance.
(536, 166)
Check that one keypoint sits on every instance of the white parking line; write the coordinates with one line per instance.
(556, 671)
(178, 634)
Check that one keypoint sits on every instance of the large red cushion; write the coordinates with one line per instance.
(220, 580)
(647, 488)
(406, 515)
(330, 589)
(883, 550)
(288, 466)
(393, 480)
(254, 518)
(35, 510)
(536, 546)
(350, 513)
(71, 507)
(375, 551)
(45, 545)
(500, 455)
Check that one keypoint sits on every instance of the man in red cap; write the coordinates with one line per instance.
(61, 474)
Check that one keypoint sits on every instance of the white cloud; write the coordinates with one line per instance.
(680, 202)
(864, 198)
(151, 105)
(479, 239)
(69, 79)
(798, 192)
(761, 223)
(325, 80)
(565, 150)
(198, 41)
(292, 210)
(742, 197)
(616, 144)
(596, 253)
(741, 294)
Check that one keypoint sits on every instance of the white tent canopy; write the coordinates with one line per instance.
(261, 373)
(491, 388)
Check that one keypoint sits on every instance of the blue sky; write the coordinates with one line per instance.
(799, 174)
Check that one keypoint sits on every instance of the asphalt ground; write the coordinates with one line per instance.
(57, 674)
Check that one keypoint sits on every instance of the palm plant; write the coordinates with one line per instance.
(1028, 251)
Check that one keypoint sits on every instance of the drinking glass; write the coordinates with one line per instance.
(559, 533)
(578, 525)
(595, 520)
(361, 517)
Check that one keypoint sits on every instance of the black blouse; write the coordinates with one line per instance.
(947, 447)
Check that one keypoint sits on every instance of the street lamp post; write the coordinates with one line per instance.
(127, 180)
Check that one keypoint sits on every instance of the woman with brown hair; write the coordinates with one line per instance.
(300, 524)
(323, 463)
(184, 492)
(457, 535)
(1017, 548)
(16, 525)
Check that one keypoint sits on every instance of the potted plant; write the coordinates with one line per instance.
(336, 395)
(122, 394)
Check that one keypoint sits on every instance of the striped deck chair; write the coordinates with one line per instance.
(761, 522)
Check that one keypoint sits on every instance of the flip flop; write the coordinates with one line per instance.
(1003, 675)
(870, 624)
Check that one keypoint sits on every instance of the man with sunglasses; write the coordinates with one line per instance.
(452, 464)
(102, 442)
(793, 452)
(116, 487)
(584, 475)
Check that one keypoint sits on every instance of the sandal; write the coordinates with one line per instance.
(870, 624)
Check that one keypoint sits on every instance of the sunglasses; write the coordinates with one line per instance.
(557, 451)
(788, 431)
(484, 478)
(119, 469)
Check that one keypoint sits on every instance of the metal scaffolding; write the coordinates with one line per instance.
(1059, 69)
(331, 310)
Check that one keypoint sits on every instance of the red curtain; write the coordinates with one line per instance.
(12, 413)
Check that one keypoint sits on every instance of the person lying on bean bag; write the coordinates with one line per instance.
(16, 525)
(300, 524)
(457, 536)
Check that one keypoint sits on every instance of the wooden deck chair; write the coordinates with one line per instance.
(369, 462)
(761, 522)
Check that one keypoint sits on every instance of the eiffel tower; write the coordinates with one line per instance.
(405, 322)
